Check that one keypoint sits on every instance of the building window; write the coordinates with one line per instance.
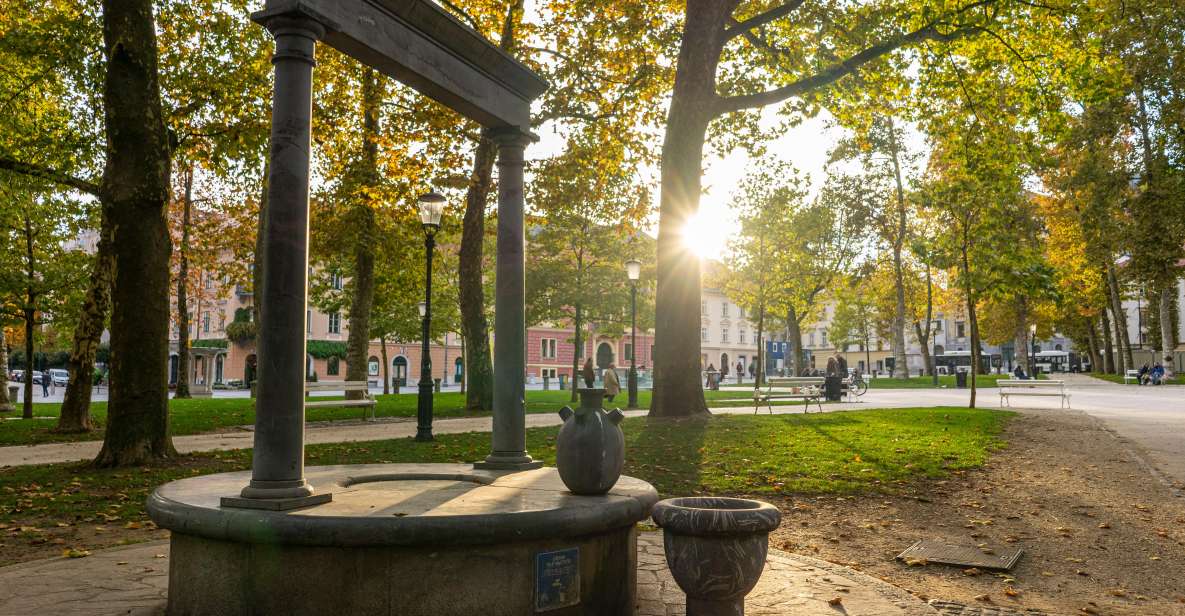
(741, 336)
(548, 373)
(811, 338)
(629, 352)
(740, 312)
(308, 321)
(823, 337)
(206, 323)
(703, 334)
(331, 366)
(723, 309)
(337, 281)
(335, 322)
(724, 335)
(209, 282)
(960, 329)
(547, 348)
(372, 366)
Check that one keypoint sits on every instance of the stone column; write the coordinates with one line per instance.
(509, 450)
(277, 470)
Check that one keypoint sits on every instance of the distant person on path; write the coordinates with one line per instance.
(1019, 373)
(45, 379)
(842, 364)
(1145, 375)
(832, 366)
(723, 372)
(612, 385)
(587, 372)
(740, 370)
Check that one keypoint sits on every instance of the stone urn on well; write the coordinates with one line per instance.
(590, 448)
(715, 549)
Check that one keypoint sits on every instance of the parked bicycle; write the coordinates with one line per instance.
(857, 386)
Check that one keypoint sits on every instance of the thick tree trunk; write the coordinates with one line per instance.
(136, 189)
(900, 367)
(677, 388)
(1120, 315)
(182, 390)
(969, 297)
(27, 407)
(386, 368)
(1108, 348)
(1168, 329)
(924, 334)
(479, 370)
(362, 285)
(5, 404)
(1022, 342)
(76, 415)
(797, 359)
(1092, 342)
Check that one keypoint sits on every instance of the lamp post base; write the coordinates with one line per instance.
(424, 412)
(633, 388)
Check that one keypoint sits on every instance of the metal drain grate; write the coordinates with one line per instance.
(933, 551)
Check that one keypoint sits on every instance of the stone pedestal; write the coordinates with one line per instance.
(409, 539)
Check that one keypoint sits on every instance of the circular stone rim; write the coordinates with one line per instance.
(622, 506)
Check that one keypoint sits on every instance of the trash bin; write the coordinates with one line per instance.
(395, 384)
(961, 380)
(563, 382)
(436, 384)
(833, 388)
(546, 382)
(12, 393)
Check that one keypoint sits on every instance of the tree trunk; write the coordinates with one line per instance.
(362, 285)
(27, 407)
(1120, 366)
(1120, 318)
(182, 390)
(1168, 329)
(76, 415)
(900, 366)
(136, 189)
(1022, 333)
(677, 388)
(479, 370)
(969, 296)
(924, 334)
(1108, 349)
(797, 359)
(5, 404)
(577, 350)
(386, 368)
(759, 377)
(1092, 342)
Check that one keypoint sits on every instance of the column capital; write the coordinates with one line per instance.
(509, 136)
(294, 17)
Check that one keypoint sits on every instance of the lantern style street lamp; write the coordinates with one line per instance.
(633, 269)
(431, 207)
(1033, 351)
(934, 351)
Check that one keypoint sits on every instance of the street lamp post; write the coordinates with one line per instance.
(1033, 351)
(633, 269)
(431, 206)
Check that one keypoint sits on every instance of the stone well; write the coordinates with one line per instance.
(409, 539)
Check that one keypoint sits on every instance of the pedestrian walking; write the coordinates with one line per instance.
(587, 372)
(612, 385)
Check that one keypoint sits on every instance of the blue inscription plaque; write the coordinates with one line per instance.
(557, 579)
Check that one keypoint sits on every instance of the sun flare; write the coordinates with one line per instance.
(704, 236)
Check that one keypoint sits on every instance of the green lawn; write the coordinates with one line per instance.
(944, 380)
(877, 451)
(1118, 378)
(194, 416)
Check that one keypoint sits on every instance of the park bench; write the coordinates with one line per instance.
(809, 388)
(1030, 387)
(1132, 375)
(367, 401)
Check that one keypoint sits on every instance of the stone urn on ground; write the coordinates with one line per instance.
(716, 549)
(590, 448)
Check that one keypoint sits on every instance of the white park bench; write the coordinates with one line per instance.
(367, 401)
(1032, 387)
(1131, 375)
(809, 388)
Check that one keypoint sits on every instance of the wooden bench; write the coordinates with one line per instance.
(810, 388)
(1031, 387)
(1133, 375)
(367, 401)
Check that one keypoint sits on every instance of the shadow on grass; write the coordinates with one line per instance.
(668, 453)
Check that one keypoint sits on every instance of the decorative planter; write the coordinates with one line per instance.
(590, 448)
(716, 549)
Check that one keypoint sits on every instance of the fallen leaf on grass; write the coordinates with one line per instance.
(1011, 592)
(76, 553)
(984, 598)
(973, 571)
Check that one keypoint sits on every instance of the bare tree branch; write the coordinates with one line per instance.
(52, 175)
(761, 19)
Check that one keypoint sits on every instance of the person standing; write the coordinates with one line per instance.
(587, 372)
(612, 384)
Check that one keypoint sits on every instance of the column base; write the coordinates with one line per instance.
(508, 462)
(276, 496)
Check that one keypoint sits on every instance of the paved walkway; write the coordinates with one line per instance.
(134, 580)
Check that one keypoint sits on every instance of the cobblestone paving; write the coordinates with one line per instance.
(133, 581)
